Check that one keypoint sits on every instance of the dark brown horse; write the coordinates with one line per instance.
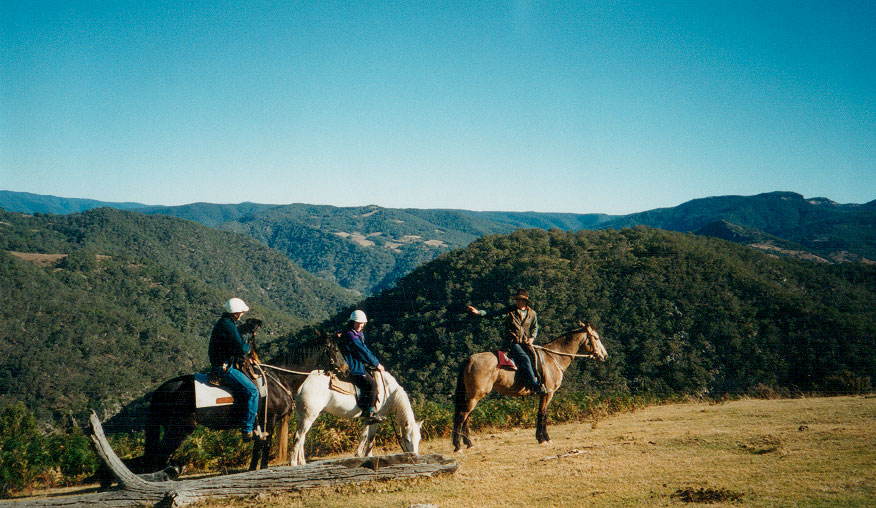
(173, 415)
(480, 374)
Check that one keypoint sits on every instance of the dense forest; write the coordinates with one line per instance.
(105, 304)
(366, 249)
(678, 313)
(101, 306)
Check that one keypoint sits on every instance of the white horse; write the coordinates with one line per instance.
(314, 396)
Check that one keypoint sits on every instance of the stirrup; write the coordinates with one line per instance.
(370, 417)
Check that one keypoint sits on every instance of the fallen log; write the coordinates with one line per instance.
(135, 491)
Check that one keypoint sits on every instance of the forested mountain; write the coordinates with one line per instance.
(368, 248)
(100, 306)
(778, 222)
(678, 313)
(25, 202)
(361, 248)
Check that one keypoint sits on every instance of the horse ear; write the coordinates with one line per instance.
(582, 325)
(420, 423)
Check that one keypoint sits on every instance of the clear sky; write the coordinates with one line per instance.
(553, 106)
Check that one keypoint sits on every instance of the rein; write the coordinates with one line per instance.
(284, 370)
(563, 354)
(562, 371)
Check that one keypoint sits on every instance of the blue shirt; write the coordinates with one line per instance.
(356, 353)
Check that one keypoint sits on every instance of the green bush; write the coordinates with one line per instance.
(73, 455)
(23, 454)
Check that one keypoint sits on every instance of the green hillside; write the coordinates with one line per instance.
(366, 249)
(678, 313)
(835, 232)
(103, 305)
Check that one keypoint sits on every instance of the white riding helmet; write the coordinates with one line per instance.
(358, 316)
(235, 305)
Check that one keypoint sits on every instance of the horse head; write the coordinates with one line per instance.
(410, 441)
(333, 353)
(592, 343)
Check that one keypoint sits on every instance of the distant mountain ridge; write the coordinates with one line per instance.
(368, 248)
(811, 226)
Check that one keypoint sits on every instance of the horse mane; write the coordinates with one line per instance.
(305, 351)
(567, 335)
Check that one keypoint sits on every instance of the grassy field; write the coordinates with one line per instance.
(810, 452)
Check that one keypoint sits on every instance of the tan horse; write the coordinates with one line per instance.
(480, 374)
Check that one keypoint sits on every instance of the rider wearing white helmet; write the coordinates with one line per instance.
(361, 362)
(226, 345)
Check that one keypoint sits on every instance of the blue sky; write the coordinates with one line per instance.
(611, 107)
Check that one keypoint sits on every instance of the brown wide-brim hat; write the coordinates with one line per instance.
(522, 294)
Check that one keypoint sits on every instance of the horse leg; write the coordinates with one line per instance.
(460, 424)
(266, 450)
(257, 453)
(366, 442)
(264, 445)
(464, 404)
(304, 424)
(174, 435)
(541, 433)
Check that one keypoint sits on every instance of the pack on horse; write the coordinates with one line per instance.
(173, 412)
(482, 373)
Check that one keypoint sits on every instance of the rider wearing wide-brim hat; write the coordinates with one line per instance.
(226, 346)
(361, 362)
(521, 330)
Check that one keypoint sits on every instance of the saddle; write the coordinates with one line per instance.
(504, 361)
(209, 391)
(208, 394)
(337, 384)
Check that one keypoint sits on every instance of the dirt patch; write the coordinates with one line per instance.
(706, 495)
(39, 259)
(762, 445)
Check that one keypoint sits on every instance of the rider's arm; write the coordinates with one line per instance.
(491, 314)
(232, 332)
(361, 350)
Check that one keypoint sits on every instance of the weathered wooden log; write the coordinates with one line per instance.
(135, 491)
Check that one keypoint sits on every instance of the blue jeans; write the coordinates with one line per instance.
(244, 391)
(524, 365)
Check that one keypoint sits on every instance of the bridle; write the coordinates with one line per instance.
(590, 339)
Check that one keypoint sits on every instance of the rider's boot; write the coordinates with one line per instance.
(370, 417)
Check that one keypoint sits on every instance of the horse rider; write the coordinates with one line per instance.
(521, 329)
(362, 363)
(226, 347)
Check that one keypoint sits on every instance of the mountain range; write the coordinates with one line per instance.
(367, 249)
(102, 305)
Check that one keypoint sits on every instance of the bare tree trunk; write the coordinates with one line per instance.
(135, 491)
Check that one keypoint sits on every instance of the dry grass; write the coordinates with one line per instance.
(818, 452)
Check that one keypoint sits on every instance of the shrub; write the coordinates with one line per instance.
(23, 455)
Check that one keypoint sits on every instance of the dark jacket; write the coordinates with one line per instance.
(226, 344)
(518, 329)
(356, 353)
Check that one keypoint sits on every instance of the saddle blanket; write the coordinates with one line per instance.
(348, 388)
(504, 361)
(210, 395)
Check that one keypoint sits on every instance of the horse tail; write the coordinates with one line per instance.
(154, 422)
(153, 432)
(459, 399)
